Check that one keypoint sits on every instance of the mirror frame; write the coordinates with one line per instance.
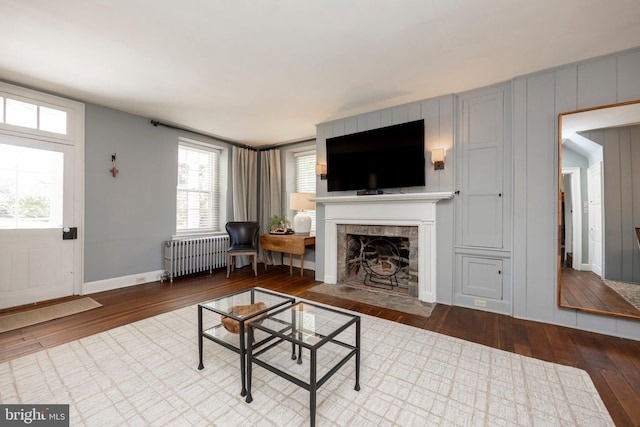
(559, 214)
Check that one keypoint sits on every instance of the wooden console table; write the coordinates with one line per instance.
(286, 243)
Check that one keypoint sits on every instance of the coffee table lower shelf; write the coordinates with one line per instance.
(313, 328)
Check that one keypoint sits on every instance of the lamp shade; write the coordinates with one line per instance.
(300, 201)
(437, 155)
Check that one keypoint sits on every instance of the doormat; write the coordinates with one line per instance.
(629, 291)
(379, 299)
(9, 322)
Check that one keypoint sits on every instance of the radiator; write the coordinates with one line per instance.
(194, 255)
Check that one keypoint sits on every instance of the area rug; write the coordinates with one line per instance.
(377, 298)
(629, 291)
(9, 322)
(145, 373)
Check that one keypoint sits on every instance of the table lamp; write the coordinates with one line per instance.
(302, 221)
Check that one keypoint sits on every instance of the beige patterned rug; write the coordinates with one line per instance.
(145, 373)
(629, 291)
(9, 322)
(377, 297)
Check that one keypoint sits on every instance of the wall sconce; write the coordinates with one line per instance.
(437, 158)
(114, 171)
(321, 171)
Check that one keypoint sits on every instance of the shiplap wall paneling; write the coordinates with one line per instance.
(627, 77)
(541, 231)
(597, 83)
(566, 100)
(520, 169)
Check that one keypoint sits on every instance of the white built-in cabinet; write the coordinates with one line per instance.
(482, 277)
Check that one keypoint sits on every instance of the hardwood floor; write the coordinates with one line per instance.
(613, 363)
(586, 290)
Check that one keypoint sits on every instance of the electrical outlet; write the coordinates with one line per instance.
(139, 280)
(480, 303)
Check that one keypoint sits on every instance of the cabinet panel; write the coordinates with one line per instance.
(482, 277)
(485, 228)
(481, 175)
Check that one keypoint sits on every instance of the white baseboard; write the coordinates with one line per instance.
(584, 267)
(153, 276)
(121, 282)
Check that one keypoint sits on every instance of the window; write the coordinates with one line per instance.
(305, 172)
(198, 192)
(31, 185)
(26, 114)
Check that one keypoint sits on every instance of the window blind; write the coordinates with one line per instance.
(306, 178)
(198, 194)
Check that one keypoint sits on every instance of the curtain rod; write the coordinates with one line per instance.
(269, 147)
(157, 123)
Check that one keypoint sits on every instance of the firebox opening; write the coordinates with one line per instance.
(379, 262)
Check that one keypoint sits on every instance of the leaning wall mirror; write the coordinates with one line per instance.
(599, 210)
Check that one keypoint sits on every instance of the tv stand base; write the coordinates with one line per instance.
(368, 192)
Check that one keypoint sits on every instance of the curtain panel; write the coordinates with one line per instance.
(244, 177)
(270, 188)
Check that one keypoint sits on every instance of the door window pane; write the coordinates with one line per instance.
(52, 120)
(22, 113)
(31, 187)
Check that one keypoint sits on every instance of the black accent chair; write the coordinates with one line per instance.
(243, 236)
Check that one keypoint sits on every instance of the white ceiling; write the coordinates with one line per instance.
(266, 72)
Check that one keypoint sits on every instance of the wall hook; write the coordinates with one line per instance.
(114, 171)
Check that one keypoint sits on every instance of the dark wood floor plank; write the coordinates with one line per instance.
(624, 396)
(586, 290)
(540, 347)
(563, 350)
(613, 363)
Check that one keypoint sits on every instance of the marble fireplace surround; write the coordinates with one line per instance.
(413, 209)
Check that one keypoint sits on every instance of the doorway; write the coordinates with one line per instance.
(572, 218)
(41, 196)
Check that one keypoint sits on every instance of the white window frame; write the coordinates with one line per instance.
(218, 189)
(30, 97)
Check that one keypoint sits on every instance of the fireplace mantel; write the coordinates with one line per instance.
(411, 209)
(386, 198)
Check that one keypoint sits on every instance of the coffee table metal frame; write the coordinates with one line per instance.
(296, 337)
(241, 349)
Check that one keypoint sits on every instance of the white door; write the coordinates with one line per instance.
(36, 203)
(568, 213)
(594, 188)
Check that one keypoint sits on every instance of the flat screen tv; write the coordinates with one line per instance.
(388, 157)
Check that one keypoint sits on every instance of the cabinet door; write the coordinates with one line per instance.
(482, 141)
(482, 277)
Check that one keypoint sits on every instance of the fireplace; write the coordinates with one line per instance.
(384, 257)
(378, 214)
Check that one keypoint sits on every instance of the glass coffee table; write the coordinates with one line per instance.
(231, 314)
(328, 336)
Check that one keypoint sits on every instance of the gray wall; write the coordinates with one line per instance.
(128, 218)
(538, 99)
(621, 200)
